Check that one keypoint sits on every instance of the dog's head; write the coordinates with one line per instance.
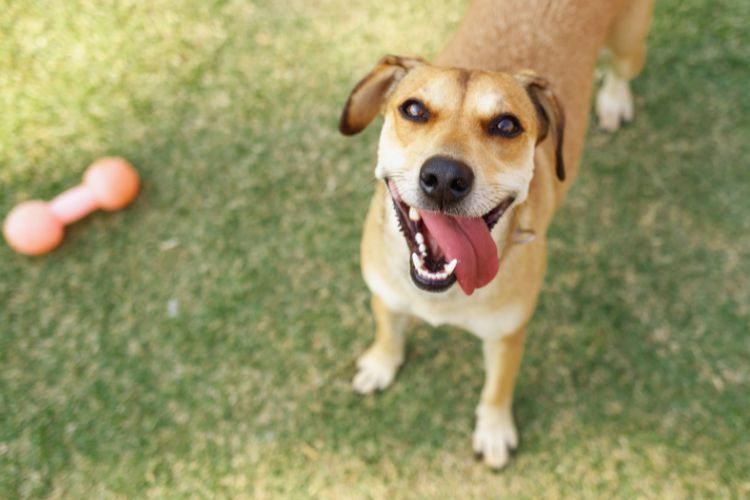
(456, 151)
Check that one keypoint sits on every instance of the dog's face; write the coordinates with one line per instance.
(456, 151)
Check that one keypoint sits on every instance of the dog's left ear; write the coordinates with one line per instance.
(549, 113)
(368, 95)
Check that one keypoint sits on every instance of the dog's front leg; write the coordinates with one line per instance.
(377, 366)
(495, 434)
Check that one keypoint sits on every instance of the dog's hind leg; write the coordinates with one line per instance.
(377, 366)
(495, 434)
(626, 47)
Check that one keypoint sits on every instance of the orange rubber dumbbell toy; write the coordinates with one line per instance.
(37, 227)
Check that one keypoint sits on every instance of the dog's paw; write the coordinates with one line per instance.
(495, 435)
(614, 103)
(376, 370)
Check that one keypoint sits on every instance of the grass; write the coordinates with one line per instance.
(636, 376)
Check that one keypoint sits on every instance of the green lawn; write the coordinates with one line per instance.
(636, 380)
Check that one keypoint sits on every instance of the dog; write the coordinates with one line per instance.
(475, 155)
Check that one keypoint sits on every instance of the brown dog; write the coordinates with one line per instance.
(476, 153)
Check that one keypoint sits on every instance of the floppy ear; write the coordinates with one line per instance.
(549, 113)
(367, 97)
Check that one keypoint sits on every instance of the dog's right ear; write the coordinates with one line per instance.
(368, 95)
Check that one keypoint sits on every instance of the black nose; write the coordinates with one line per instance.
(445, 180)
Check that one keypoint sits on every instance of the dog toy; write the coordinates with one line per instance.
(37, 227)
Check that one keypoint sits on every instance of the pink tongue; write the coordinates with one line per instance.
(469, 241)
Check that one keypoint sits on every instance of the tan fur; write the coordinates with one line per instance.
(482, 73)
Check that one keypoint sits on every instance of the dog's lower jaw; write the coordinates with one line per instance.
(432, 269)
(396, 286)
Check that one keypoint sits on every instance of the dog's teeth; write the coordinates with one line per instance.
(415, 260)
(419, 238)
(414, 214)
(451, 266)
(423, 248)
(422, 270)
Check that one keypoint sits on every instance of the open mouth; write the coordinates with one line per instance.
(445, 249)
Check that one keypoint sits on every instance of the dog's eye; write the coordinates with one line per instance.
(505, 126)
(415, 111)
